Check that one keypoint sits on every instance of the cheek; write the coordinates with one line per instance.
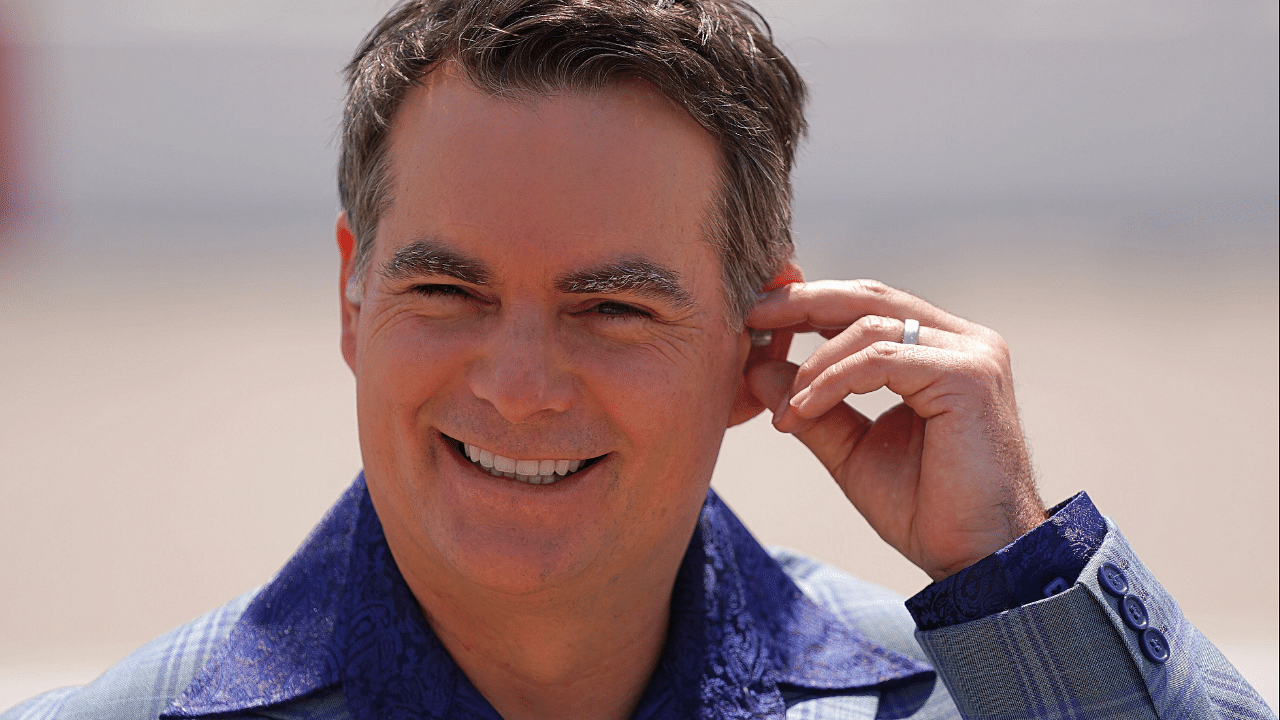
(674, 418)
(657, 379)
(674, 414)
(404, 371)
(404, 362)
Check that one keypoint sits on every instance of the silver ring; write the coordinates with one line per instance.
(911, 333)
(761, 338)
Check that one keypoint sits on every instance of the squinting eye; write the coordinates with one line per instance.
(619, 310)
(440, 290)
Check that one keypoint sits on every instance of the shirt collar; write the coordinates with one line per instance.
(339, 612)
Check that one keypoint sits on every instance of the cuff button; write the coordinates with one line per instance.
(1113, 580)
(1134, 612)
(1155, 646)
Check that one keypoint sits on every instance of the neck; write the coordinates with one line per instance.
(584, 651)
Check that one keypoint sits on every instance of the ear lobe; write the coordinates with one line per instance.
(350, 311)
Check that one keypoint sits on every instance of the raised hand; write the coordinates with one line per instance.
(945, 477)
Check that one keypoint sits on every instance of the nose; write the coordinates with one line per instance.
(522, 371)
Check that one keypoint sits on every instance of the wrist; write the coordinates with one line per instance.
(1046, 559)
(1014, 522)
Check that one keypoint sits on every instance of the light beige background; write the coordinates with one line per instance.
(1096, 180)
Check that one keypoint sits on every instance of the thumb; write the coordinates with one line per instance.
(770, 380)
(830, 437)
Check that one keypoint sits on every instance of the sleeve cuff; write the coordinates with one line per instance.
(1037, 565)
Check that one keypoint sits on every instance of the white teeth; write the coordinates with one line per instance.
(534, 472)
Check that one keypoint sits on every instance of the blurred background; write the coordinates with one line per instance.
(1096, 179)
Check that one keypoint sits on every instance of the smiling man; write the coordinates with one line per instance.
(565, 273)
(545, 367)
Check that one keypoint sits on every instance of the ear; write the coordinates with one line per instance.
(350, 311)
(745, 403)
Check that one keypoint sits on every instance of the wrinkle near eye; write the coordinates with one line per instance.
(673, 342)
(387, 318)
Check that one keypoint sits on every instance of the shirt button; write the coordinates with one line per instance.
(1155, 646)
(1134, 612)
(1113, 580)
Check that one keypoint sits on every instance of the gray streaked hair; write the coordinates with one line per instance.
(714, 58)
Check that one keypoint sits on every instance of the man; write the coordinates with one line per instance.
(565, 272)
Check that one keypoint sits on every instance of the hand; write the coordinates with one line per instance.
(945, 478)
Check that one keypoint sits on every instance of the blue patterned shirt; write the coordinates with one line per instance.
(753, 634)
(742, 637)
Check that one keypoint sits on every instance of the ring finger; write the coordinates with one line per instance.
(867, 330)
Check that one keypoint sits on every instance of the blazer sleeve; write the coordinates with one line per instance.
(1075, 655)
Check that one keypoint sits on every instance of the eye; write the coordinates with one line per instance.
(442, 290)
(611, 309)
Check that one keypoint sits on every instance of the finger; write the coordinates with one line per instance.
(769, 382)
(746, 405)
(866, 330)
(831, 304)
(920, 375)
(831, 437)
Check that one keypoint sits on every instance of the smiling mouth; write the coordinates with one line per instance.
(532, 472)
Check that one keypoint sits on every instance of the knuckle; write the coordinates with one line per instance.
(873, 288)
(820, 382)
(1000, 356)
(882, 351)
(990, 337)
(998, 344)
(988, 375)
(875, 325)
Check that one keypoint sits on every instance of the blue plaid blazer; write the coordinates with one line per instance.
(1068, 656)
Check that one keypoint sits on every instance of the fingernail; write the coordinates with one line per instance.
(780, 412)
(798, 399)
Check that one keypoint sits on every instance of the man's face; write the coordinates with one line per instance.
(540, 290)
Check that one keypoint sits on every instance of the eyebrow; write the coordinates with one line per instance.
(631, 275)
(640, 276)
(425, 257)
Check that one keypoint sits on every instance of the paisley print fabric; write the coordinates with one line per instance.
(743, 640)
(1041, 563)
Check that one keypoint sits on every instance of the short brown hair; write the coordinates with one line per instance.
(714, 58)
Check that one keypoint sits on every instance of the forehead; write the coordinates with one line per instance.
(622, 165)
